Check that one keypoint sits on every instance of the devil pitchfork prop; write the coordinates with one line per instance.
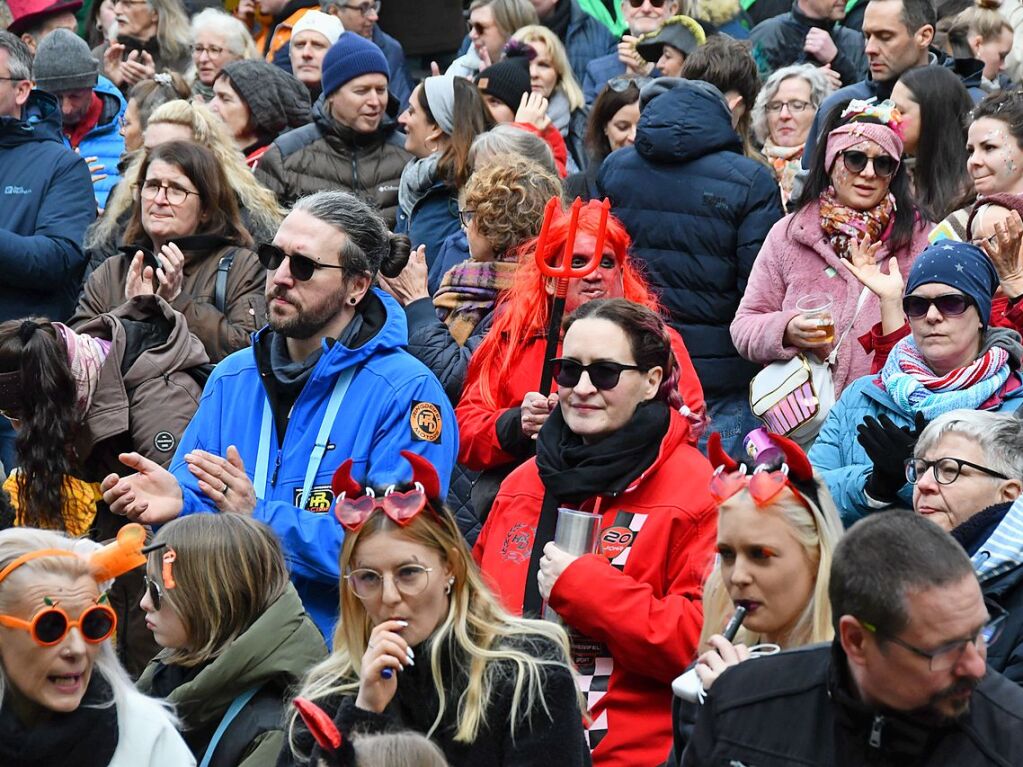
(563, 272)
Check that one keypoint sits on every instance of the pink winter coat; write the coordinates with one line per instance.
(794, 262)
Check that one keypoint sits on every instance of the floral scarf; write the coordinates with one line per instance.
(468, 292)
(786, 162)
(842, 224)
(914, 387)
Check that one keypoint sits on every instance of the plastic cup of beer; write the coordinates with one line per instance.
(817, 307)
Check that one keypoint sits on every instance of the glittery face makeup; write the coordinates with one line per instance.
(863, 190)
(996, 160)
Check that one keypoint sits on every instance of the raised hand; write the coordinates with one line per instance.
(139, 281)
(863, 264)
(151, 495)
(171, 272)
(386, 649)
(533, 111)
(1004, 249)
(411, 283)
(223, 480)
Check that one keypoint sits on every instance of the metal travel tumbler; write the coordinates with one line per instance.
(577, 533)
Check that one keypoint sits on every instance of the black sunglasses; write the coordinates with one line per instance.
(302, 267)
(856, 162)
(654, 3)
(155, 592)
(603, 375)
(950, 305)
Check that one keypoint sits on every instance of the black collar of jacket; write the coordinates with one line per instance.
(826, 24)
(899, 733)
(972, 533)
(196, 243)
(332, 129)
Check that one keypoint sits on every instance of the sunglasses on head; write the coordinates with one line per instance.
(764, 486)
(302, 267)
(950, 305)
(622, 84)
(49, 627)
(856, 162)
(603, 375)
(402, 508)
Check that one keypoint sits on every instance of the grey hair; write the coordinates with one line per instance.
(236, 36)
(19, 57)
(369, 246)
(820, 89)
(16, 541)
(507, 139)
(172, 30)
(1000, 436)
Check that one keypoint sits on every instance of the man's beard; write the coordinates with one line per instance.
(955, 707)
(307, 322)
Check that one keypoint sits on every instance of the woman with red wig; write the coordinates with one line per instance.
(618, 448)
(501, 411)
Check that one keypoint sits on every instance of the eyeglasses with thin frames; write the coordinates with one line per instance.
(409, 580)
(796, 106)
(174, 195)
(365, 8)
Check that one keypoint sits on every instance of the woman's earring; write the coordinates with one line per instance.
(451, 582)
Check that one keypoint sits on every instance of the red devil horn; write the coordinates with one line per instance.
(717, 454)
(424, 473)
(799, 465)
(343, 482)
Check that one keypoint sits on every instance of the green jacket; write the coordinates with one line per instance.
(274, 653)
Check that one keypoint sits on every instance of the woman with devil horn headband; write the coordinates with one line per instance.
(616, 446)
(777, 530)
(424, 643)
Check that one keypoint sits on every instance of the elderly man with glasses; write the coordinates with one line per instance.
(967, 477)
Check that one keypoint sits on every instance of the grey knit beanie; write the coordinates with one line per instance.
(64, 63)
(277, 101)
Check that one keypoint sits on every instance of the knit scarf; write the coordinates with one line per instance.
(559, 111)
(416, 180)
(468, 292)
(914, 387)
(785, 160)
(85, 356)
(85, 737)
(843, 224)
(573, 472)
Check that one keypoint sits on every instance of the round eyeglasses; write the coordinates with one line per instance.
(946, 470)
(409, 580)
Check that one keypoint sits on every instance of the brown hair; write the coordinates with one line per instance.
(508, 195)
(472, 119)
(604, 108)
(217, 199)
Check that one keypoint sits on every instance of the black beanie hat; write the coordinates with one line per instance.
(507, 81)
(277, 101)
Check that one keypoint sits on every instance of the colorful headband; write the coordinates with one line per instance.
(884, 112)
(356, 504)
(886, 132)
(116, 558)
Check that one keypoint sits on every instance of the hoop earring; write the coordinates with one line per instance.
(451, 582)
(429, 148)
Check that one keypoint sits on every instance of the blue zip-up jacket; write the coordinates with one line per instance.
(841, 459)
(587, 39)
(433, 219)
(104, 142)
(46, 204)
(394, 403)
(698, 212)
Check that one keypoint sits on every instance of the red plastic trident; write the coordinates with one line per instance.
(563, 272)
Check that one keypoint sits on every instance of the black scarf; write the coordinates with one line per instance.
(85, 737)
(572, 471)
(559, 18)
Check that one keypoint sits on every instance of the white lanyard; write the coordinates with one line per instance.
(337, 396)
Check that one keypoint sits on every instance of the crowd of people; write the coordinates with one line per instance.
(639, 385)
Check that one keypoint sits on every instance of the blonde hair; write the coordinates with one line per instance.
(818, 532)
(493, 645)
(509, 195)
(257, 202)
(16, 541)
(509, 15)
(228, 570)
(536, 33)
(397, 749)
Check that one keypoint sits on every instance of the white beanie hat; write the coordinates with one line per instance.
(317, 21)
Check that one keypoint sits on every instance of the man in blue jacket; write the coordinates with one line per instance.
(91, 105)
(46, 203)
(328, 380)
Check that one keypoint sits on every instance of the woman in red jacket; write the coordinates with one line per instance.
(500, 411)
(616, 446)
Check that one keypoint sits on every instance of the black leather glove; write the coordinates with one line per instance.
(888, 446)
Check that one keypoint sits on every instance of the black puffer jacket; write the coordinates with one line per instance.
(326, 155)
(798, 708)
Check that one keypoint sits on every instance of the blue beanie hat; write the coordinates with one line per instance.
(959, 265)
(350, 57)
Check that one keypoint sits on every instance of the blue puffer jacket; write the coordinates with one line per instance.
(104, 142)
(46, 203)
(434, 218)
(697, 211)
(383, 413)
(843, 462)
(587, 39)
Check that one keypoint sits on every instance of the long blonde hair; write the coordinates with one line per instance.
(567, 84)
(258, 202)
(818, 532)
(172, 30)
(496, 645)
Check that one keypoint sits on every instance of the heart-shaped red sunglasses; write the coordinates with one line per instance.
(402, 508)
(764, 486)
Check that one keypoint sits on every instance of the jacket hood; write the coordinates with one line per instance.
(280, 646)
(41, 122)
(684, 120)
(114, 103)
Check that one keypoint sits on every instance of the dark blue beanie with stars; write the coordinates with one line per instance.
(960, 265)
